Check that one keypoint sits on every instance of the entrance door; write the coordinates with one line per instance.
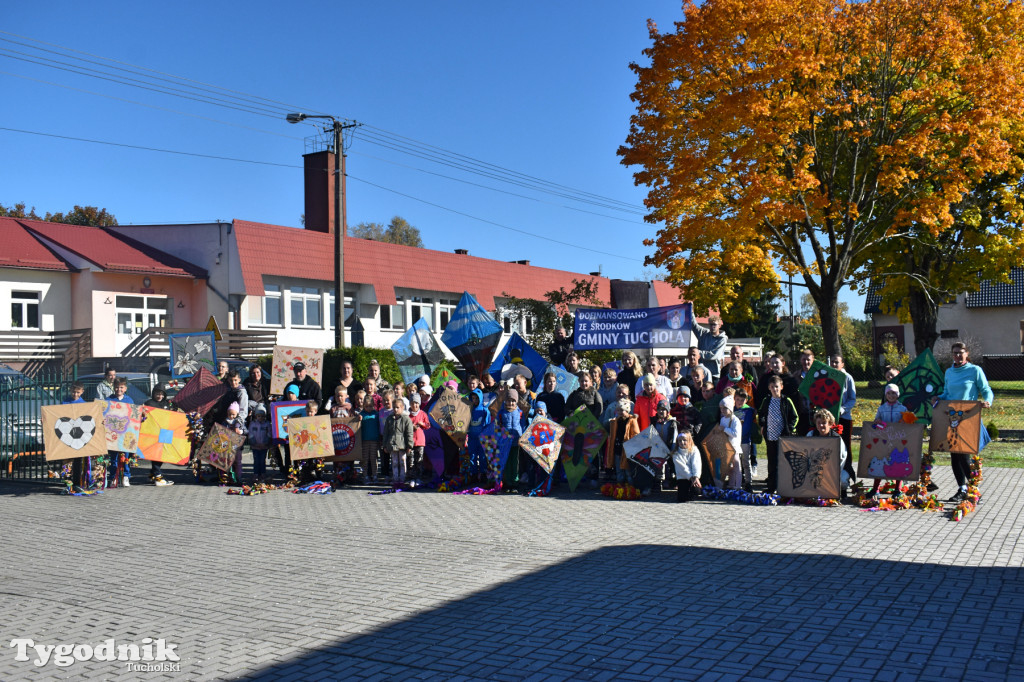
(136, 314)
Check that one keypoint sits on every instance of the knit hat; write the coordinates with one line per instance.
(892, 387)
(683, 390)
(425, 380)
(650, 380)
(416, 398)
(540, 405)
(512, 394)
(728, 403)
(260, 409)
(663, 405)
(626, 406)
(451, 384)
(233, 407)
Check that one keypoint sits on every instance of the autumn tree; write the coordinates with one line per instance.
(812, 133)
(398, 231)
(79, 215)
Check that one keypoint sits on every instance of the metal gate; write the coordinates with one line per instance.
(21, 429)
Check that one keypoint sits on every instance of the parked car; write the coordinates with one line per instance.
(140, 385)
(21, 427)
(174, 385)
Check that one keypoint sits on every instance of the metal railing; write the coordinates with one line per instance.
(40, 350)
(22, 453)
(247, 344)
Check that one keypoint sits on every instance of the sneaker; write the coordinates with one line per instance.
(126, 483)
(932, 487)
(753, 469)
(957, 497)
(161, 481)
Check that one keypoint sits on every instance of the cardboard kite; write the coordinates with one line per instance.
(121, 422)
(310, 437)
(542, 441)
(648, 450)
(443, 376)
(919, 382)
(416, 351)
(472, 335)
(809, 467)
(201, 393)
(956, 427)
(824, 386)
(496, 443)
(519, 357)
(221, 447)
(583, 439)
(163, 436)
(280, 413)
(189, 352)
(452, 412)
(565, 383)
(346, 438)
(890, 451)
(73, 430)
(285, 357)
(718, 450)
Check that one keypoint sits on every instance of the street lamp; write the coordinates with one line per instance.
(339, 218)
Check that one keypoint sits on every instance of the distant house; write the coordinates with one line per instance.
(990, 320)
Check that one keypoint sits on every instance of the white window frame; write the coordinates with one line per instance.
(426, 307)
(25, 302)
(350, 300)
(445, 306)
(399, 306)
(271, 297)
(307, 296)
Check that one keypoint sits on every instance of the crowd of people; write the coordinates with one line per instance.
(684, 399)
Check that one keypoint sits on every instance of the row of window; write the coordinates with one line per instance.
(25, 309)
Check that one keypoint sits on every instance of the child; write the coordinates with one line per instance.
(120, 461)
(686, 461)
(540, 411)
(479, 418)
(668, 429)
(620, 429)
(733, 428)
(398, 441)
(778, 417)
(235, 423)
(382, 419)
(259, 441)
(510, 418)
(748, 418)
(339, 406)
(420, 423)
(889, 412)
(370, 431)
(75, 396)
(824, 426)
(158, 399)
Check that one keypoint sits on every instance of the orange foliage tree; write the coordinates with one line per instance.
(812, 133)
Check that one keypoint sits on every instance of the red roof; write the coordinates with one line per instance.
(113, 252)
(22, 250)
(294, 252)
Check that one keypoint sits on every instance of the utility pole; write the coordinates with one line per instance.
(340, 216)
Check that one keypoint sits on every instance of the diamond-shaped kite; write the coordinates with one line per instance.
(472, 335)
(163, 436)
(417, 352)
(543, 441)
(201, 393)
(581, 442)
(221, 447)
(919, 383)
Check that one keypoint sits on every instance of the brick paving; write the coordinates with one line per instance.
(422, 585)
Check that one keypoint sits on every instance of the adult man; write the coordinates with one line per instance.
(965, 381)
(560, 347)
(711, 342)
(692, 361)
(663, 385)
(802, 404)
(105, 388)
(846, 416)
(222, 370)
(308, 388)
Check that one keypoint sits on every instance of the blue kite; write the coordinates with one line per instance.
(519, 357)
(417, 352)
(472, 335)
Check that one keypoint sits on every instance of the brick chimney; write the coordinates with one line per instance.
(318, 171)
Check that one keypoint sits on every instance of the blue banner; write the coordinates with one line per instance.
(604, 328)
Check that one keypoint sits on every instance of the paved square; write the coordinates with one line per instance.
(427, 585)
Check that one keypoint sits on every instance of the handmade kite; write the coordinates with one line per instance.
(443, 376)
(648, 450)
(189, 352)
(584, 436)
(221, 447)
(719, 450)
(452, 413)
(890, 450)
(824, 386)
(310, 437)
(163, 436)
(472, 335)
(280, 413)
(74, 430)
(496, 443)
(956, 427)
(809, 467)
(345, 434)
(201, 393)
(285, 357)
(519, 357)
(565, 383)
(121, 422)
(416, 351)
(542, 441)
(919, 382)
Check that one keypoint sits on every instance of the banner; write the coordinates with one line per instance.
(604, 328)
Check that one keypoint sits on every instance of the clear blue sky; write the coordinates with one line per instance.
(539, 88)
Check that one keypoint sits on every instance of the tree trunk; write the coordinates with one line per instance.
(925, 317)
(828, 310)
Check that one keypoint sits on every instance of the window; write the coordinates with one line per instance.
(529, 325)
(348, 312)
(506, 323)
(305, 307)
(130, 301)
(949, 334)
(24, 310)
(421, 307)
(446, 310)
(273, 309)
(393, 316)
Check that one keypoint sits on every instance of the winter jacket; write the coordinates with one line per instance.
(398, 433)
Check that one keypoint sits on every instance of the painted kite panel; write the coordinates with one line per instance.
(417, 352)
(201, 392)
(890, 451)
(285, 357)
(347, 440)
(922, 380)
(163, 436)
(472, 335)
(221, 447)
(648, 450)
(565, 382)
(310, 437)
(74, 430)
(809, 467)
(716, 446)
(496, 443)
(542, 441)
(452, 413)
(824, 386)
(280, 413)
(121, 422)
(519, 357)
(189, 352)
(583, 439)
(956, 426)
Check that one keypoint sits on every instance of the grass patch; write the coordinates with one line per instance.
(1002, 454)
(1007, 410)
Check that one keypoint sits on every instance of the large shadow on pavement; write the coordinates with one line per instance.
(650, 611)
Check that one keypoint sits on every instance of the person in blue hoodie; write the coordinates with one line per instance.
(478, 421)
(510, 418)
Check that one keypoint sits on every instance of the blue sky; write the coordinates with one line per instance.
(538, 88)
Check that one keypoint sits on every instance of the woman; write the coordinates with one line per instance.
(257, 387)
(790, 387)
(348, 382)
(630, 371)
(374, 373)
